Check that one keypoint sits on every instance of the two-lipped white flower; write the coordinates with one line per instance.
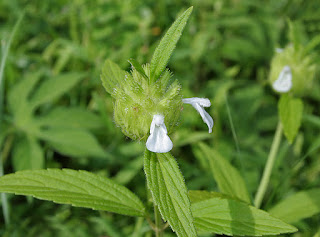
(159, 141)
(283, 83)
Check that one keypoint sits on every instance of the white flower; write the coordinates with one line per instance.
(158, 141)
(198, 104)
(284, 82)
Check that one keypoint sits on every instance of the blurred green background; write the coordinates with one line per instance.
(224, 54)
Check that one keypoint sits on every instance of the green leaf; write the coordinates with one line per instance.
(73, 142)
(169, 191)
(200, 195)
(167, 44)
(231, 217)
(78, 188)
(290, 113)
(54, 87)
(298, 206)
(112, 76)
(227, 177)
(136, 65)
(73, 117)
(18, 95)
(27, 155)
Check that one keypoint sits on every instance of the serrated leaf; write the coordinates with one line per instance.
(111, 76)
(227, 177)
(136, 65)
(231, 217)
(167, 44)
(298, 206)
(169, 192)
(73, 142)
(73, 117)
(290, 113)
(78, 188)
(54, 87)
(27, 155)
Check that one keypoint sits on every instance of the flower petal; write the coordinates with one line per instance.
(205, 116)
(204, 102)
(284, 82)
(158, 141)
(198, 104)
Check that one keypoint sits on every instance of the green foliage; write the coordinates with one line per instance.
(290, 114)
(298, 206)
(78, 188)
(225, 51)
(167, 44)
(227, 177)
(169, 191)
(230, 217)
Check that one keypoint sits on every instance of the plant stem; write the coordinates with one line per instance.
(158, 220)
(269, 165)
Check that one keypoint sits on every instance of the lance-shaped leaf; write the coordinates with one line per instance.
(167, 44)
(290, 113)
(169, 192)
(112, 76)
(78, 188)
(227, 177)
(54, 87)
(231, 217)
(73, 142)
(298, 206)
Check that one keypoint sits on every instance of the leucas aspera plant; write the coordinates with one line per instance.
(147, 107)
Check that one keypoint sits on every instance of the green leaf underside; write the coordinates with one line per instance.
(290, 112)
(227, 177)
(169, 192)
(298, 206)
(78, 188)
(167, 44)
(232, 217)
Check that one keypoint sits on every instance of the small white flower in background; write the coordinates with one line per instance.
(284, 82)
(158, 141)
(279, 50)
(198, 104)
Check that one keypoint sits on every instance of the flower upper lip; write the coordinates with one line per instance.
(199, 104)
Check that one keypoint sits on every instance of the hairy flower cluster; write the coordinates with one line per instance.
(292, 69)
(146, 110)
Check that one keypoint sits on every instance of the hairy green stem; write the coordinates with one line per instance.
(269, 165)
(159, 223)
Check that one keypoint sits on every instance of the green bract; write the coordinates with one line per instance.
(136, 99)
(302, 68)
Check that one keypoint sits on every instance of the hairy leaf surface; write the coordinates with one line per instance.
(78, 188)
(169, 192)
(231, 217)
